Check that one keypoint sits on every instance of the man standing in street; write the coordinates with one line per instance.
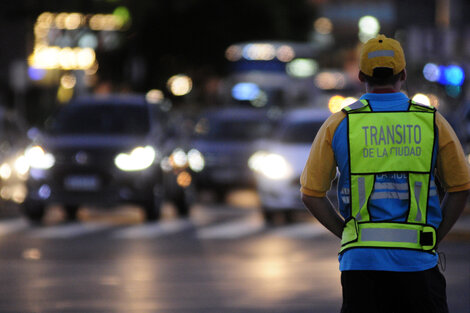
(389, 151)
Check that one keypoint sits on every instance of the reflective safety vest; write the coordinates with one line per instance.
(389, 142)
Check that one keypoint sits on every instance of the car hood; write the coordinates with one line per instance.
(225, 153)
(93, 141)
(224, 147)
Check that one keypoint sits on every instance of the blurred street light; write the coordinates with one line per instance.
(285, 53)
(330, 80)
(369, 27)
(259, 51)
(323, 26)
(180, 85)
(422, 98)
(154, 96)
(245, 91)
(302, 67)
(337, 103)
(431, 72)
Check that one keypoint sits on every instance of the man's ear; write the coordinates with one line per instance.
(361, 77)
(403, 75)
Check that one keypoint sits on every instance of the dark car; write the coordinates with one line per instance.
(99, 151)
(225, 138)
(13, 165)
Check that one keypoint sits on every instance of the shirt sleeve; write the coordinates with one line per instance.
(320, 169)
(452, 166)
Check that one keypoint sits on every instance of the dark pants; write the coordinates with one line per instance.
(394, 292)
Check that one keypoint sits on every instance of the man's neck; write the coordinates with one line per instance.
(383, 90)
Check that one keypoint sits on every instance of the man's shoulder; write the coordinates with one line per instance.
(333, 121)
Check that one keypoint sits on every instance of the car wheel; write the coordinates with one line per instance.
(183, 200)
(220, 195)
(34, 212)
(71, 212)
(152, 208)
(182, 206)
(269, 216)
(289, 216)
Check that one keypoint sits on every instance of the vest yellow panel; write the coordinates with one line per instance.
(382, 142)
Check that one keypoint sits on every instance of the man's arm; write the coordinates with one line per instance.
(452, 206)
(324, 212)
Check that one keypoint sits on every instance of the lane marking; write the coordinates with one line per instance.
(71, 230)
(233, 230)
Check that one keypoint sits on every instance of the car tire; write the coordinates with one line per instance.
(152, 208)
(71, 212)
(182, 205)
(183, 200)
(220, 195)
(34, 212)
(269, 216)
(289, 217)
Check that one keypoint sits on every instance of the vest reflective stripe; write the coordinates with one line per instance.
(388, 235)
(419, 189)
(389, 142)
(361, 187)
(361, 105)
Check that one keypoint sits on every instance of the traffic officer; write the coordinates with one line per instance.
(389, 151)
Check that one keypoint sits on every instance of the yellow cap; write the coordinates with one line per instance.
(382, 52)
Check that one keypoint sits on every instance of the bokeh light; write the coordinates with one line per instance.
(73, 21)
(348, 101)
(454, 75)
(335, 104)
(431, 72)
(323, 26)
(245, 91)
(36, 73)
(302, 67)
(285, 53)
(453, 91)
(154, 96)
(180, 85)
(68, 81)
(330, 80)
(261, 100)
(369, 27)
(259, 51)
(233, 53)
(422, 98)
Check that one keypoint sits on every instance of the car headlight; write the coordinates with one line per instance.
(178, 159)
(138, 159)
(5, 171)
(38, 158)
(256, 160)
(196, 160)
(271, 165)
(21, 165)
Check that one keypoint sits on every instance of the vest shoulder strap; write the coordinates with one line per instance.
(360, 105)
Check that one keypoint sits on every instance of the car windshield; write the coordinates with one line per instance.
(232, 130)
(101, 119)
(302, 132)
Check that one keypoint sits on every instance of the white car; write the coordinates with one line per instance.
(280, 160)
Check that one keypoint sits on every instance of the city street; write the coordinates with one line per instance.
(221, 259)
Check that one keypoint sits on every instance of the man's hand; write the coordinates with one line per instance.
(324, 212)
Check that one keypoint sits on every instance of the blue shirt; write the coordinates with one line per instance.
(388, 202)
